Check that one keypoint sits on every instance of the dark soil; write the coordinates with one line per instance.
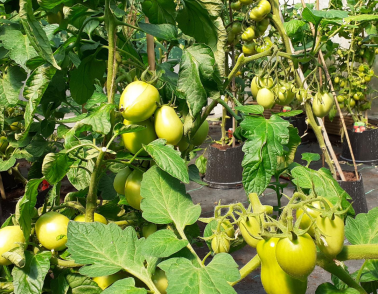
(350, 176)
(220, 147)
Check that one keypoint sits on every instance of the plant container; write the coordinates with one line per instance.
(364, 146)
(356, 190)
(224, 169)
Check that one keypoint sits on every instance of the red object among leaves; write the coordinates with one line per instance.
(45, 185)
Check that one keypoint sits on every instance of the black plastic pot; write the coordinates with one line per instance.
(299, 122)
(224, 169)
(364, 146)
(357, 192)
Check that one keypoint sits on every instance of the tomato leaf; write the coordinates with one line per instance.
(199, 77)
(107, 249)
(328, 288)
(253, 109)
(82, 79)
(289, 150)
(26, 205)
(160, 11)
(7, 164)
(265, 142)
(162, 31)
(325, 185)
(20, 49)
(120, 129)
(35, 33)
(168, 159)
(55, 166)
(163, 243)
(165, 200)
(30, 278)
(80, 177)
(10, 85)
(82, 285)
(106, 187)
(194, 175)
(363, 228)
(185, 277)
(309, 157)
(124, 286)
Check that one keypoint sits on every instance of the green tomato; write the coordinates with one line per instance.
(139, 101)
(51, 230)
(228, 228)
(352, 103)
(148, 229)
(262, 26)
(311, 215)
(361, 68)
(257, 84)
(265, 46)
(337, 80)
(367, 79)
(168, 125)
(342, 84)
(236, 28)
(358, 96)
(16, 126)
(120, 180)
(260, 11)
(265, 98)
(97, 218)
(219, 244)
(273, 278)
(249, 34)
(249, 48)
(376, 51)
(297, 257)
(183, 144)
(230, 37)
(332, 241)
(105, 281)
(361, 52)
(132, 189)
(322, 104)
(236, 5)
(340, 98)
(246, 2)
(9, 238)
(3, 144)
(201, 134)
(249, 228)
(284, 94)
(133, 141)
(160, 280)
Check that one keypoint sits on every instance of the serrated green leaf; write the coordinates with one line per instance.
(201, 164)
(80, 177)
(26, 206)
(289, 149)
(328, 288)
(74, 119)
(124, 286)
(10, 85)
(184, 277)
(168, 159)
(194, 175)
(107, 249)
(165, 200)
(82, 79)
(59, 285)
(325, 185)
(106, 187)
(253, 109)
(308, 15)
(120, 129)
(7, 164)
(363, 229)
(16, 256)
(35, 33)
(294, 26)
(163, 243)
(265, 142)
(362, 18)
(199, 77)
(309, 157)
(82, 285)
(290, 113)
(55, 166)
(166, 32)
(30, 278)
(18, 45)
(35, 87)
(160, 11)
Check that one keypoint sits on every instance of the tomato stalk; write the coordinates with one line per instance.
(250, 266)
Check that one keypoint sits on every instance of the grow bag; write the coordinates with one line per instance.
(364, 146)
(356, 191)
(224, 169)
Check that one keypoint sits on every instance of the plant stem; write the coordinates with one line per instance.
(92, 193)
(333, 268)
(358, 278)
(18, 176)
(183, 236)
(112, 63)
(365, 251)
(150, 49)
(7, 273)
(64, 263)
(252, 265)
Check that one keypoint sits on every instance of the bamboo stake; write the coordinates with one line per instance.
(338, 109)
(320, 122)
(2, 190)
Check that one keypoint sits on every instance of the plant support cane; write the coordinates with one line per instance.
(321, 57)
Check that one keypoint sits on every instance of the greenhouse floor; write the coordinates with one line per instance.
(208, 198)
